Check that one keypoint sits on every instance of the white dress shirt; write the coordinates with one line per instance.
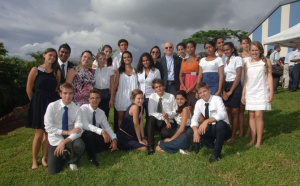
(117, 61)
(168, 103)
(145, 84)
(53, 121)
(230, 68)
(101, 121)
(102, 77)
(273, 57)
(295, 55)
(66, 66)
(216, 107)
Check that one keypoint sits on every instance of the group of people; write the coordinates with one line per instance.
(190, 100)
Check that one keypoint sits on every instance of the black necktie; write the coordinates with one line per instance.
(206, 111)
(159, 110)
(65, 120)
(63, 71)
(94, 118)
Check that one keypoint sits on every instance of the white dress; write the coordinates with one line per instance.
(257, 88)
(126, 85)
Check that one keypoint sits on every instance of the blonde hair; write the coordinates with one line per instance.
(135, 92)
(262, 51)
(66, 86)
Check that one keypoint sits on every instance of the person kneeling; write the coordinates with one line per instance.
(63, 123)
(98, 135)
(215, 128)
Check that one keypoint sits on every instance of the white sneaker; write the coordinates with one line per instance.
(181, 151)
(73, 167)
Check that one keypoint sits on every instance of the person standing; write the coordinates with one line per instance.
(274, 58)
(171, 66)
(63, 122)
(64, 52)
(98, 135)
(123, 46)
(44, 79)
(295, 58)
(155, 53)
(258, 90)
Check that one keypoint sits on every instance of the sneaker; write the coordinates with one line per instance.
(181, 151)
(95, 162)
(73, 167)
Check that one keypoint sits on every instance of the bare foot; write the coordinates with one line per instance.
(250, 144)
(240, 133)
(34, 165)
(44, 162)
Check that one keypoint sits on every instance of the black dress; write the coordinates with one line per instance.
(44, 93)
(127, 139)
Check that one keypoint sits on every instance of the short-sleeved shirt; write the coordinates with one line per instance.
(211, 66)
(230, 68)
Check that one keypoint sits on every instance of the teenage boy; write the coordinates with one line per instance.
(123, 46)
(64, 52)
(63, 123)
(98, 135)
(214, 129)
(161, 106)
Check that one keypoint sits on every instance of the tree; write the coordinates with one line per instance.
(201, 36)
(3, 51)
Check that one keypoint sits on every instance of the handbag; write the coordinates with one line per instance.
(277, 70)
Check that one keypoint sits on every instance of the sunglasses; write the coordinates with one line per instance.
(155, 52)
(170, 47)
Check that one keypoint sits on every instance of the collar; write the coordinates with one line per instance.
(91, 108)
(60, 62)
(209, 100)
(63, 105)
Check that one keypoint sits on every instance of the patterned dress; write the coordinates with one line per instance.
(83, 83)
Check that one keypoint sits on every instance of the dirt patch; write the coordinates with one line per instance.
(13, 120)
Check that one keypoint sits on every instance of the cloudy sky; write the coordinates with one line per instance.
(34, 25)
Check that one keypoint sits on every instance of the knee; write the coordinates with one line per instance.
(165, 132)
(79, 145)
(39, 134)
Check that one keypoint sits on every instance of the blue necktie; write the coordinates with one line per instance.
(65, 120)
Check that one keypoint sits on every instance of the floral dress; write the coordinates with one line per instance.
(83, 83)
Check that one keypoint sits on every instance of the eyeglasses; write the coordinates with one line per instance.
(170, 47)
(154, 52)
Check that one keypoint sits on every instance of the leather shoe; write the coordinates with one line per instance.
(197, 147)
(95, 162)
(150, 150)
(213, 158)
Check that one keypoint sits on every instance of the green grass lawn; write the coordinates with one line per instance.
(277, 162)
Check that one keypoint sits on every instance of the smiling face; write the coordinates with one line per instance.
(168, 49)
(228, 51)
(159, 89)
(245, 45)
(64, 54)
(138, 100)
(181, 50)
(146, 62)
(220, 43)
(50, 57)
(255, 52)
(94, 100)
(86, 59)
(204, 93)
(155, 53)
(180, 100)
(127, 58)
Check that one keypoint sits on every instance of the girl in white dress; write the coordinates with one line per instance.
(126, 81)
(245, 55)
(257, 95)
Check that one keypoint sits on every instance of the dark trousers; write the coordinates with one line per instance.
(171, 87)
(291, 77)
(145, 105)
(104, 105)
(296, 75)
(116, 126)
(94, 143)
(55, 164)
(275, 82)
(164, 131)
(215, 136)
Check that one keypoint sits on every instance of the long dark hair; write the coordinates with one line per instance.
(140, 65)
(122, 66)
(183, 94)
(231, 45)
(159, 56)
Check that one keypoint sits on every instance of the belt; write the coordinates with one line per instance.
(171, 82)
